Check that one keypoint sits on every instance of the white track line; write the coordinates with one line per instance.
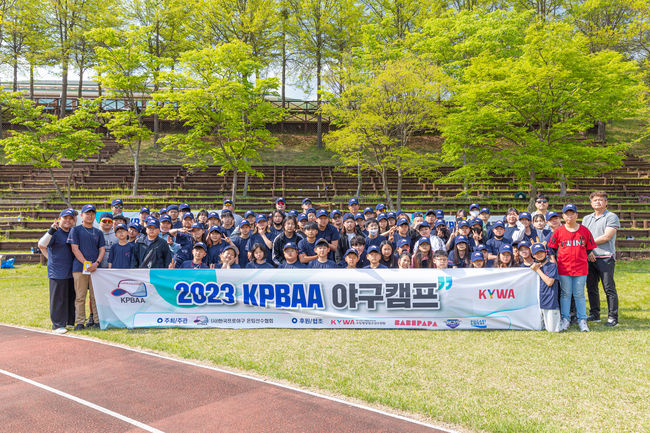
(257, 379)
(84, 402)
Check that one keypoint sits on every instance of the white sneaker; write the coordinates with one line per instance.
(60, 331)
(582, 324)
(564, 324)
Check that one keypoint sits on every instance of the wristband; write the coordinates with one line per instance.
(51, 231)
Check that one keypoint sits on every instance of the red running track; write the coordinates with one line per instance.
(94, 387)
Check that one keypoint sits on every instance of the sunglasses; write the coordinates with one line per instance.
(542, 201)
(106, 220)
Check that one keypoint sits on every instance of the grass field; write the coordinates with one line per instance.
(495, 381)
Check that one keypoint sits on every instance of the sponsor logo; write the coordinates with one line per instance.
(416, 323)
(496, 294)
(342, 322)
(452, 323)
(478, 323)
(131, 291)
(201, 320)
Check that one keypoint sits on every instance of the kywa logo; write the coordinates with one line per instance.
(496, 294)
(342, 322)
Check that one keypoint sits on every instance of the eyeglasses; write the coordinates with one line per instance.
(106, 220)
(542, 201)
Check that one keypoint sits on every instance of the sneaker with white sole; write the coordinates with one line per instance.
(60, 331)
(582, 324)
(564, 325)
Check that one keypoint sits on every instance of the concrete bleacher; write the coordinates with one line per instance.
(28, 201)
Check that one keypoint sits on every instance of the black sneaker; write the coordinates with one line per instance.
(79, 327)
(94, 326)
(90, 322)
(574, 320)
(612, 322)
(593, 318)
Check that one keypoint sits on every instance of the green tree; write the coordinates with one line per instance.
(45, 140)
(225, 113)
(376, 119)
(521, 116)
(19, 24)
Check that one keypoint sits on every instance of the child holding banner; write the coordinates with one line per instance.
(548, 287)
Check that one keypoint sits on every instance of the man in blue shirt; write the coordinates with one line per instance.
(87, 243)
(55, 248)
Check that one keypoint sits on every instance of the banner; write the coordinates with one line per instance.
(318, 298)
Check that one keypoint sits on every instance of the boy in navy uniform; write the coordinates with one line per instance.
(172, 211)
(548, 287)
(374, 238)
(55, 248)
(306, 246)
(199, 252)
(327, 231)
(87, 244)
(291, 257)
(353, 206)
(306, 204)
(322, 249)
(241, 240)
(119, 257)
(494, 243)
(374, 257)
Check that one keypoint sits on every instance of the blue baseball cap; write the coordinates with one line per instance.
(525, 215)
(306, 201)
(280, 200)
(106, 215)
(166, 218)
(567, 207)
(153, 222)
(524, 243)
(403, 242)
(382, 216)
(334, 213)
(425, 239)
(184, 206)
(368, 210)
(244, 222)
(417, 214)
(351, 251)
(117, 202)
(120, 227)
(290, 245)
(476, 256)
(380, 206)
(226, 212)
(537, 247)
(293, 212)
(135, 226)
(439, 223)
(172, 207)
(430, 212)
(227, 200)
(400, 212)
(197, 226)
(249, 213)
(310, 210)
(505, 248)
(200, 245)
(474, 206)
(348, 216)
(423, 224)
(391, 215)
(461, 239)
(213, 215)
(215, 229)
(302, 217)
(322, 213)
(373, 249)
(401, 221)
(261, 217)
(67, 212)
(353, 201)
(485, 210)
(551, 214)
(163, 211)
(188, 215)
(498, 224)
(145, 210)
(359, 216)
(463, 223)
(321, 241)
(476, 221)
(481, 247)
(439, 214)
(88, 208)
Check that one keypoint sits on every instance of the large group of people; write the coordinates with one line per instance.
(565, 254)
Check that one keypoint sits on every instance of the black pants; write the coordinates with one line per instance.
(602, 270)
(62, 297)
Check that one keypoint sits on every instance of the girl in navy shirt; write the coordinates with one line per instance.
(258, 253)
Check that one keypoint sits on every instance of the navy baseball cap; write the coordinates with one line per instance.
(463, 223)
(425, 239)
(172, 207)
(213, 215)
(310, 210)
(215, 229)
(348, 216)
(136, 226)
(485, 210)
(226, 212)
(302, 217)
(67, 212)
(476, 256)
(368, 210)
(230, 247)
(306, 201)
(144, 210)
(403, 242)
(121, 227)
(359, 216)
(280, 200)
(261, 217)
(537, 247)
(197, 226)
(351, 251)
(166, 218)
(568, 207)
(184, 206)
(498, 224)
(439, 214)
(400, 212)
(391, 215)
(474, 206)
(505, 248)
(88, 208)
(373, 249)
(525, 215)
(188, 215)
(321, 213)
(334, 213)
(481, 247)
(321, 241)
(227, 200)
(293, 213)
(200, 245)
(106, 215)
(551, 214)
(163, 211)
(249, 213)
(380, 206)
(476, 221)
(524, 243)
(290, 245)
(382, 216)
(353, 201)
(430, 212)
(153, 222)
(244, 222)
(401, 221)
(417, 214)
(439, 223)
(117, 202)
(461, 239)
(120, 217)
(423, 224)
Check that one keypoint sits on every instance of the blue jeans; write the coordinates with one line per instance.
(573, 286)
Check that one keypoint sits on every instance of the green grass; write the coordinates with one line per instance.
(498, 381)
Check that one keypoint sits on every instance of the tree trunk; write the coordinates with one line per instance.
(245, 194)
(58, 188)
(384, 183)
(31, 81)
(136, 167)
(233, 193)
(359, 179)
(156, 130)
(601, 132)
(399, 188)
(63, 102)
(15, 66)
(69, 184)
(532, 191)
(81, 84)
(99, 84)
(284, 70)
(563, 186)
(319, 119)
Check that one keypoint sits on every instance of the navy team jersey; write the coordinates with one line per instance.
(315, 264)
(59, 256)
(189, 264)
(89, 242)
(120, 255)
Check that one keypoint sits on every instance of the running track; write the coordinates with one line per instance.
(51, 383)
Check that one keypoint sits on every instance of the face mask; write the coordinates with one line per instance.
(473, 213)
(373, 232)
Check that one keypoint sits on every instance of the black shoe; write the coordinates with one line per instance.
(574, 320)
(593, 318)
(79, 327)
(94, 326)
(612, 322)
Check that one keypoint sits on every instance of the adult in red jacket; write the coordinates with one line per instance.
(573, 243)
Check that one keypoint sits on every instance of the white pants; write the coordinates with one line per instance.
(551, 320)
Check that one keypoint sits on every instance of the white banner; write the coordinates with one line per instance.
(318, 298)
